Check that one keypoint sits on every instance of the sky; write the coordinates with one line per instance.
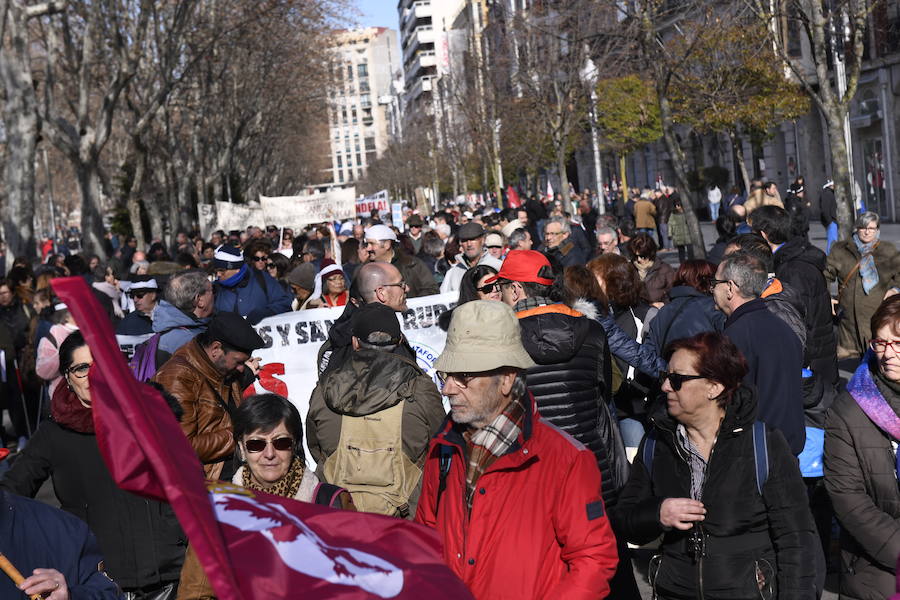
(378, 13)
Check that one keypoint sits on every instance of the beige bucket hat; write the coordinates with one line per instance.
(483, 335)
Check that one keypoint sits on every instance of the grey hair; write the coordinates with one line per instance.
(184, 287)
(519, 390)
(564, 222)
(867, 217)
(747, 272)
(517, 237)
(604, 230)
(376, 341)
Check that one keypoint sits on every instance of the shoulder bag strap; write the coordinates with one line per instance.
(760, 455)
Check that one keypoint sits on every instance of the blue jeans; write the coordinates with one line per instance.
(714, 210)
(648, 230)
(664, 241)
(832, 236)
(632, 431)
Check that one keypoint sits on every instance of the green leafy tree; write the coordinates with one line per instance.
(628, 116)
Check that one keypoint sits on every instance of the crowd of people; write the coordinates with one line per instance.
(605, 388)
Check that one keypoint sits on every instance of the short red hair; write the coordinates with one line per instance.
(716, 358)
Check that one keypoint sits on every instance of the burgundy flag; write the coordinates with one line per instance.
(251, 545)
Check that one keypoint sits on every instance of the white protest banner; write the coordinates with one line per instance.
(397, 216)
(127, 343)
(228, 217)
(379, 201)
(293, 340)
(296, 211)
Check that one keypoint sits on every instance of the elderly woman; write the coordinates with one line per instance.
(657, 275)
(268, 433)
(727, 531)
(140, 538)
(861, 433)
(333, 284)
(865, 269)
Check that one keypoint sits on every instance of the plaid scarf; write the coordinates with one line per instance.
(529, 303)
(491, 442)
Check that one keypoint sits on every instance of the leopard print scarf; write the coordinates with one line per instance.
(285, 487)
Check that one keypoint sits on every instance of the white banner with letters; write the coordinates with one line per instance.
(379, 201)
(297, 211)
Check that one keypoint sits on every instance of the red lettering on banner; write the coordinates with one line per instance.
(269, 382)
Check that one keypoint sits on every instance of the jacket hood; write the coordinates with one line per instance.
(69, 412)
(554, 336)
(370, 381)
(740, 412)
(800, 249)
(588, 308)
(166, 316)
(685, 291)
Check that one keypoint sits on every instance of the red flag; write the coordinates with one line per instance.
(512, 197)
(251, 545)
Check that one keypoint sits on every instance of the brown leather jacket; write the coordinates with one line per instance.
(193, 379)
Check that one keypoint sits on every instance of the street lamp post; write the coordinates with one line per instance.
(589, 76)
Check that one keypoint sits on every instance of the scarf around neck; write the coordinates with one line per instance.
(867, 269)
(865, 392)
(286, 487)
(234, 279)
(491, 442)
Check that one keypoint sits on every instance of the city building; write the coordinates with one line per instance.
(359, 124)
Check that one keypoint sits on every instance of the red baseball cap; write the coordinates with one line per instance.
(524, 266)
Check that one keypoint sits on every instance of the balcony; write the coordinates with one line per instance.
(421, 86)
(424, 34)
(419, 10)
(422, 60)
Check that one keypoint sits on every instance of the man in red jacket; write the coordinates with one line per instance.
(516, 501)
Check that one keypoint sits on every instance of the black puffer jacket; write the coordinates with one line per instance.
(743, 530)
(141, 540)
(801, 265)
(571, 378)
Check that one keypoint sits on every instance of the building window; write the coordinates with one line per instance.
(349, 72)
(362, 70)
(340, 162)
(358, 159)
(370, 143)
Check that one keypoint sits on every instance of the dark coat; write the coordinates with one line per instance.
(659, 280)
(16, 317)
(257, 296)
(567, 254)
(742, 528)
(135, 323)
(141, 539)
(775, 358)
(572, 378)
(827, 207)
(688, 313)
(861, 479)
(800, 265)
(37, 536)
(417, 276)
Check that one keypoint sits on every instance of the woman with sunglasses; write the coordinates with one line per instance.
(278, 265)
(472, 286)
(861, 464)
(140, 539)
(727, 531)
(269, 437)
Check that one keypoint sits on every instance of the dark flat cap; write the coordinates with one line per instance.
(470, 231)
(414, 221)
(233, 330)
(376, 317)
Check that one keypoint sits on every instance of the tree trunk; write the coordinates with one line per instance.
(679, 165)
(738, 146)
(90, 192)
(840, 173)
(563, 177)
(133, 201)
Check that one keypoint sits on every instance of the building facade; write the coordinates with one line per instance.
(359, 124)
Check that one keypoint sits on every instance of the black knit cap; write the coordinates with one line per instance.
(374, 317)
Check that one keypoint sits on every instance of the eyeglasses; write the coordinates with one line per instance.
(281, 444)
(714, 282)
(270, 265)
(80, 370)
(677, 379)
(260, 258)
(462, 379)
(399, 284)
(489, 288)
(882, 345)
(495, 247)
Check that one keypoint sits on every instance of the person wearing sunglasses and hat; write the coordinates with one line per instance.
(144, 292)
(730, 529)
(515, 500)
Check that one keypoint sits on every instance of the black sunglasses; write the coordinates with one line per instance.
(714, 282)
(270, 265)
(260, 258)
(281, 444)
(489, 288)
(677, 379)
(140, 294)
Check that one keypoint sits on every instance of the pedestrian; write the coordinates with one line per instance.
(383, 246)
(206, 376)
(681, 237)
(644, 216)
(727, 530)
(656, 274)
(302, 279)
(866, 268)
(496, 465)
(559, 243)
(828, 214)
(363, 412)
(244, 290)
(184, 312)
(714, 201)
(471, 238)
(144, 292)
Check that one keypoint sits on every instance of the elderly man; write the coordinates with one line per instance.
(143, 292)
(559, 245)
(516, 502)
(471, 241)
(382, 246)
(245, 291)
(183, 312)
(607, 240)
(206, 376)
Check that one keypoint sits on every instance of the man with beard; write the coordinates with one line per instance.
(206, 375)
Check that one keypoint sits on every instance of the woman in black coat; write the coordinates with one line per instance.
(140, 539)
(728, 532)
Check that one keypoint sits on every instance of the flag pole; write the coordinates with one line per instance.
(14, 574)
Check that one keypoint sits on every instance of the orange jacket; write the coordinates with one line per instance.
(538, 528)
